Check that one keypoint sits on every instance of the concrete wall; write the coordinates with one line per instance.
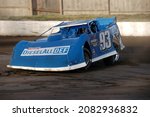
(85, 7)
(15, 8)
(25, 28)
(35, 28)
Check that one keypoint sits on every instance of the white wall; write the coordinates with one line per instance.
(35, 28)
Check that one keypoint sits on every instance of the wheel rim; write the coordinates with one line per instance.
(87, 58)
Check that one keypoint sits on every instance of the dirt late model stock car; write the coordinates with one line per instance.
(70, 45)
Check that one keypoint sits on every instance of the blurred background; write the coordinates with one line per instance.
(73, 7)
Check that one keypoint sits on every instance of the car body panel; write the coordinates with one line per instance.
(63, 50)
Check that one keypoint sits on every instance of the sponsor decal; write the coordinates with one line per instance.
(94, 42)
(59, 50)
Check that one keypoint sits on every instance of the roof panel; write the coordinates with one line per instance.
(74, 23)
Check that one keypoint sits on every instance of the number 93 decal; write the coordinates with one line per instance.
(105, 40)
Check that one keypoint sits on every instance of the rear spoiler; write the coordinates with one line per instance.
(107, 21)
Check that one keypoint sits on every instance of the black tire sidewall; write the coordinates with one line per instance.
(87, 58)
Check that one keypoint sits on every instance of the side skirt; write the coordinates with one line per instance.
(73, 67)
(104, 56)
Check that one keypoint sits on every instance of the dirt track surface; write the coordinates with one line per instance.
(128, 79)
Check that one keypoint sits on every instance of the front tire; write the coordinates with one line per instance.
(87, 58)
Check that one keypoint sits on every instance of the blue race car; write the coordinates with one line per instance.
(70, 45)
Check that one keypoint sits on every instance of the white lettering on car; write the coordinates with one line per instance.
(60, 50)
(105, 40)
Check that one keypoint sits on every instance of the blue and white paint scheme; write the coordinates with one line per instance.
(64, 49)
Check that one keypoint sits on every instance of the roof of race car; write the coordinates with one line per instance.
(74, 23)
(103, 21)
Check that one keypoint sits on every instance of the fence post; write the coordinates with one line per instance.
(30, 7)
(109, 7)
(61, 6)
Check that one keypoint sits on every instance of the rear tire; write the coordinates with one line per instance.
(87, 58)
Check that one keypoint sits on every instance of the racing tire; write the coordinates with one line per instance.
(88, 58)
